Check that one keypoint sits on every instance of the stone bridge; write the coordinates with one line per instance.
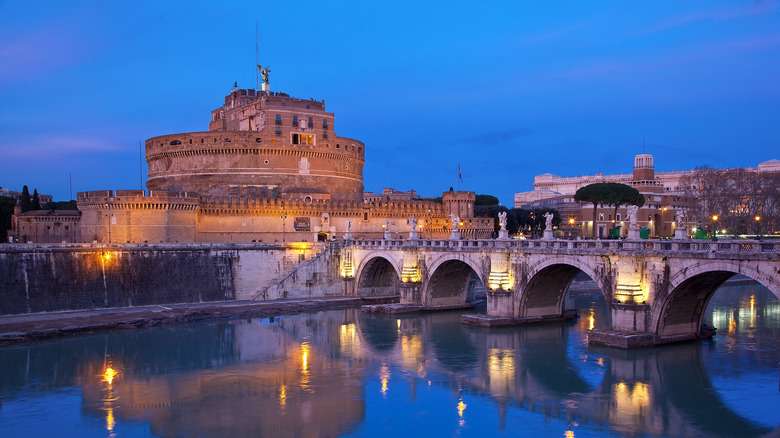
(657, 290)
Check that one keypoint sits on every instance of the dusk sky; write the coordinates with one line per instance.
(509, 90)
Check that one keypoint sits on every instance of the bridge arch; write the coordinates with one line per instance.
(449, 280)
(548, 280)
(378, 274)
(680, 310)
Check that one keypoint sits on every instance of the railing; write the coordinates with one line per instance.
(741, 247)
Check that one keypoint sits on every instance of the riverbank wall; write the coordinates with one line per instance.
(56, 277)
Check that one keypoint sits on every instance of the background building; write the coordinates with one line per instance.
(665, 194)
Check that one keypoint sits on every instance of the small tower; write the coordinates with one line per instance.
(643, 168)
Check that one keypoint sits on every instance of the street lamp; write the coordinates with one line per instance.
(715, 224)
(430, 224)
(758, 226)
(284, 217)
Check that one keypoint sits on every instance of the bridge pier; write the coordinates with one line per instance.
(411, 293)
(629, 327)
(348, 287)
(500, 303)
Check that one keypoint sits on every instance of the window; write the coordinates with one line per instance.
(304, 139)
(278, 119)
(278, 131)
(295, 120)
(325, 134)
(324, 123)
(311, 123)
(617, 217)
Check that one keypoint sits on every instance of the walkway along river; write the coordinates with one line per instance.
(348, 373)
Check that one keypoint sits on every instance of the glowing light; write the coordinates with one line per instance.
(714, 217)
(283, 396)
(631, 399)
(501, 370)
(758, 218)
(461, 408)
(629, 292)
(107, 256)
(305, 356)
(384, 375)
(347, 270)
(499, 280)
(410, 274)
(300, 245)
(591, 321)
(109, 374)
(305, 373)
(110, 420)
(569, 434)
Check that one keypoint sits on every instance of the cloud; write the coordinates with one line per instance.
(54, 146)
(501, 137)
(686, 55)
(40, 53)
(717, 14)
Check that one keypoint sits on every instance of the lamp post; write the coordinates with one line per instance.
(109, 222)
(430, 224)
(284, 217)
(758, 227)
(715, 224)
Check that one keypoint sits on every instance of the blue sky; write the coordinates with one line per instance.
(509, 90)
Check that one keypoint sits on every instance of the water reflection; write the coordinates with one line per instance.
(345, 372)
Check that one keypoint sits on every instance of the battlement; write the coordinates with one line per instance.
(136, 200)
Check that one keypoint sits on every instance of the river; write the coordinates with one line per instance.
(348, 373)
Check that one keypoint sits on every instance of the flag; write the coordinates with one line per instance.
(460, 175)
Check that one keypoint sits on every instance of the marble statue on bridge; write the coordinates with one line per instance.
(503, 234)
(412, 228)
(680, 231)
(548, 218)
(455, 234)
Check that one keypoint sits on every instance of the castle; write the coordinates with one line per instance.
(269, 169)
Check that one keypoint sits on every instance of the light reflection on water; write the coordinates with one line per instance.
(345, 373)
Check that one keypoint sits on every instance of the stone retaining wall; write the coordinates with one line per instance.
(47, 278)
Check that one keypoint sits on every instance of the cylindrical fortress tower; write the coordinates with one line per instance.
(261, 144)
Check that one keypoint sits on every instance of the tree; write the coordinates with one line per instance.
(736, 196)
(621, 194)
(532, 221)
(60, 205)
(6, 212)
(490, 211)
(36, 200)
(25, 201)
(485, 200)
(596, 194)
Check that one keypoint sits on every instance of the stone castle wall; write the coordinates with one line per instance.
(128, 216)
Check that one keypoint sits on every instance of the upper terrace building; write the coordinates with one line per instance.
(261, 144)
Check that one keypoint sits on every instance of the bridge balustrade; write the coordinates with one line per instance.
(708, 246)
